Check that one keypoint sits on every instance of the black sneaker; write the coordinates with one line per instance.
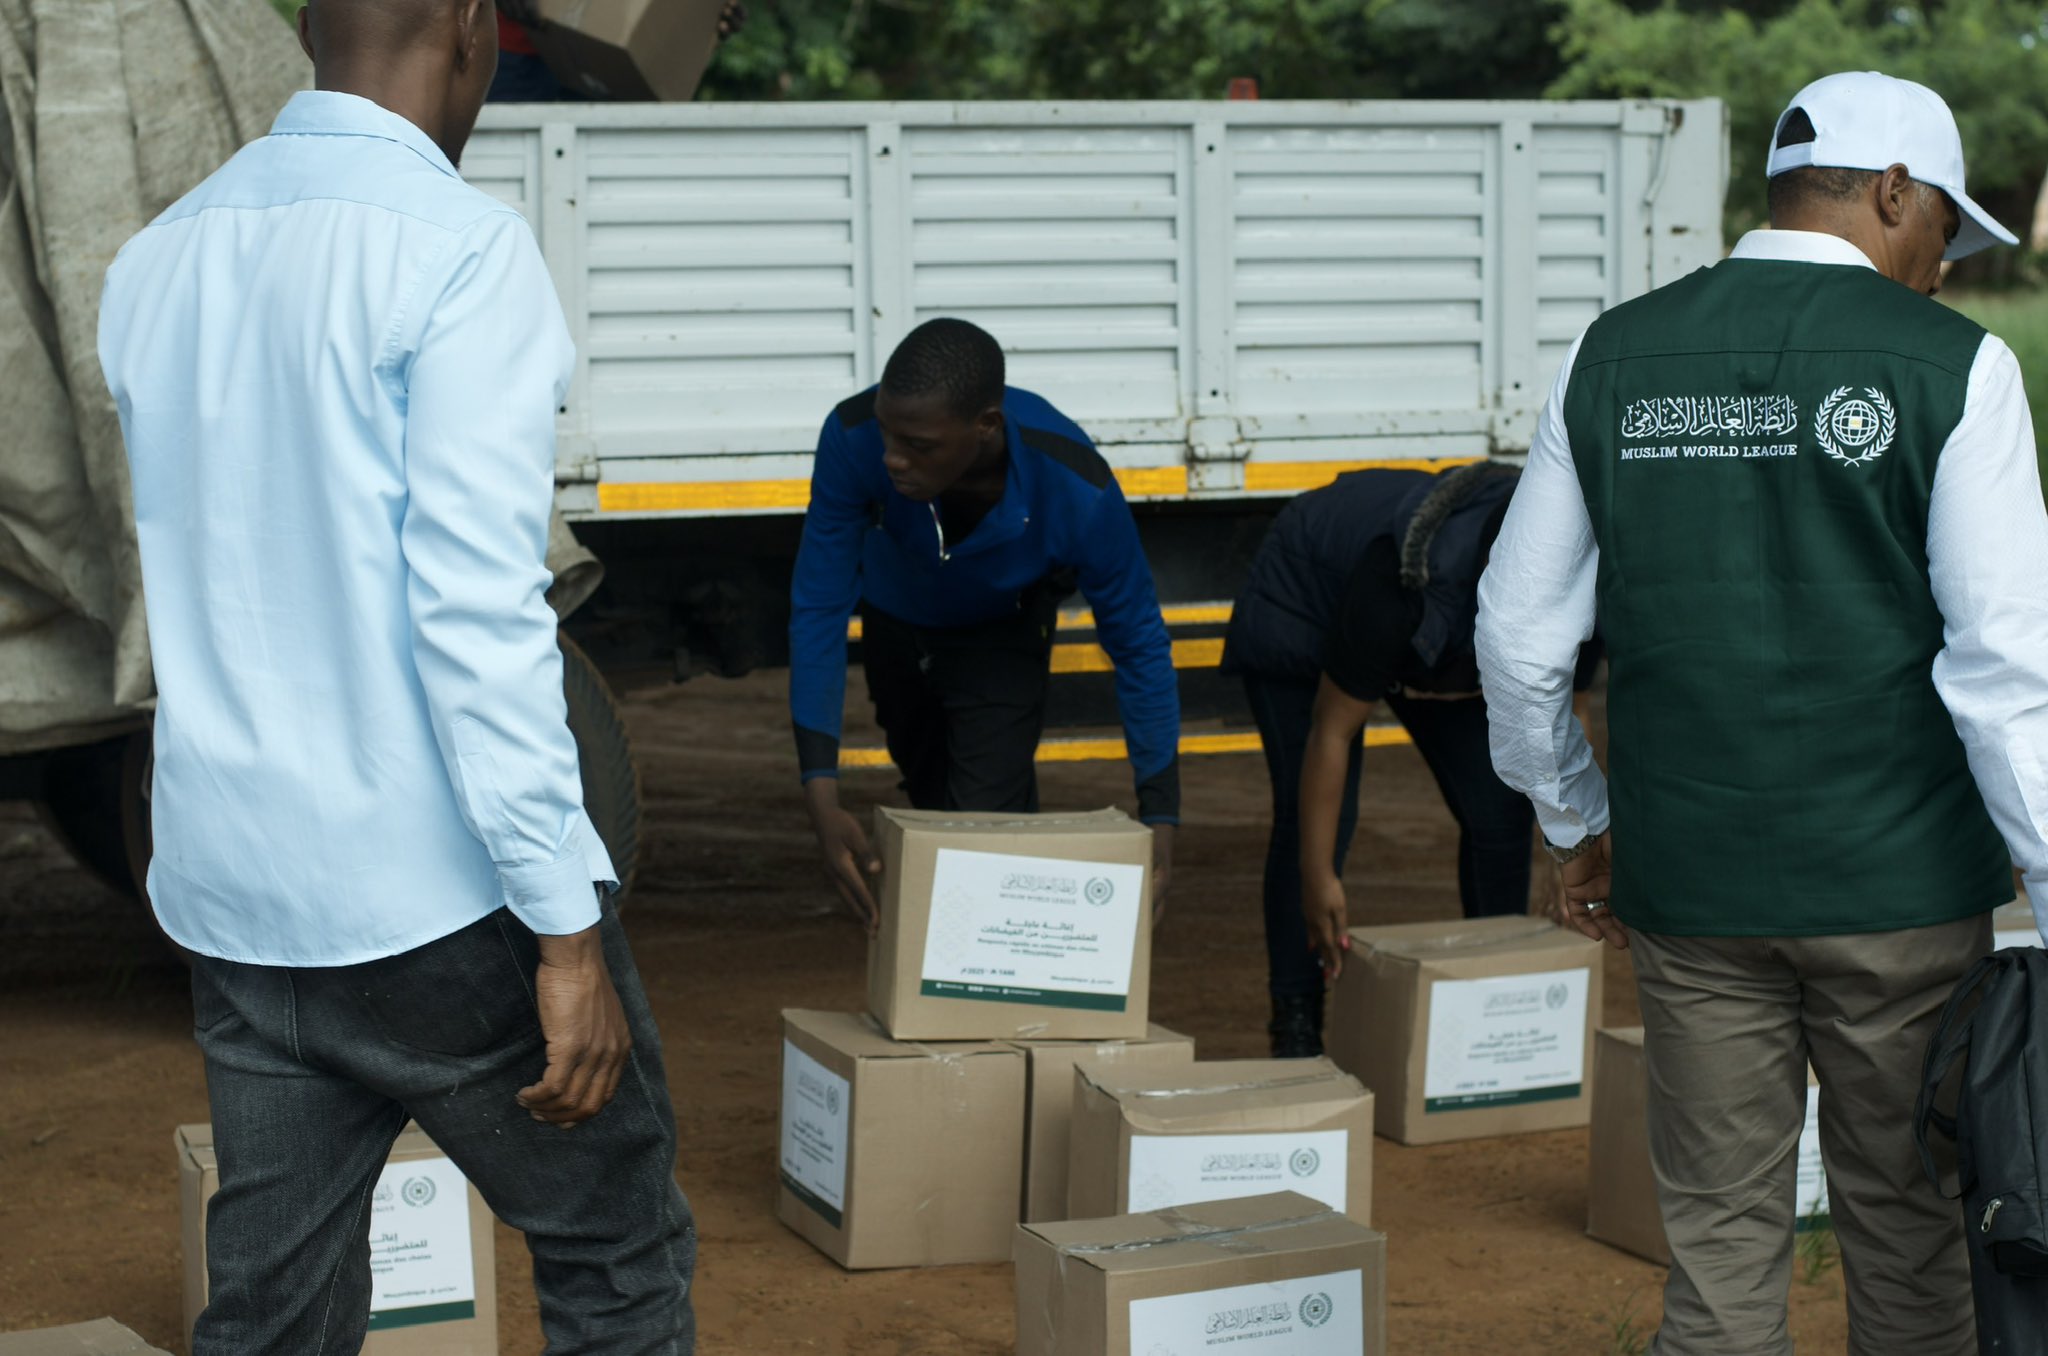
(1297, 1026)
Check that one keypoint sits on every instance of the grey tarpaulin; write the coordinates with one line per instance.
(109, 111)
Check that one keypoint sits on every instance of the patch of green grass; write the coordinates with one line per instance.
(2021, 319)
(1816, 1248)
(1625, 1331)
(288, 8)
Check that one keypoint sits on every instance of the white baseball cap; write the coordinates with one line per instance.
(1866, 120)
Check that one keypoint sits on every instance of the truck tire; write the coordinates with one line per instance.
(611, 780)
(93, 801)
(95, 798)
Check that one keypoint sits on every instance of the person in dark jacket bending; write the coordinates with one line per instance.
(1366, 591)
(957, 512)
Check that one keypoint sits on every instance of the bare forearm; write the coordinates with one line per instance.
(1323, 768)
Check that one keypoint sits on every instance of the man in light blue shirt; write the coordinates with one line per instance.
(337, 368)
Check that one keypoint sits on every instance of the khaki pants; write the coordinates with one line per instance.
(1729, 1026)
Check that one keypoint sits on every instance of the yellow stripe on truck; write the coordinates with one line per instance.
(702, 496)
(1280, 477)
(1081, 619)
(1086, 750)
(1083, 658)
(710, 496)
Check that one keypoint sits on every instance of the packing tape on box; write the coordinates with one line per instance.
(1296, 1081)
(951, 1062)
(1458, 941)
(1188, 1230)
(1010, 821)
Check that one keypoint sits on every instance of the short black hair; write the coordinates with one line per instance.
(954, 359)
(1793, 189)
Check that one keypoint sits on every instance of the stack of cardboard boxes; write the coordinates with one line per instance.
(1012, 949)
(1004, 1095)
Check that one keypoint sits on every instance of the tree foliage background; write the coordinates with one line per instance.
(1988, 58)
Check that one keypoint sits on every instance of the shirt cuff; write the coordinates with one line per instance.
(1569, 825)
(2037, 895)
(1159, 795)
(817, 753)
(553, 899)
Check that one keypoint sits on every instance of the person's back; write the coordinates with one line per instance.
(292, 291)
(1283, 611)
(1762, 509)
(1805, 500)
(337, 369)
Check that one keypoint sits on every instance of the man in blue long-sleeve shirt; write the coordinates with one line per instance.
(957, 511)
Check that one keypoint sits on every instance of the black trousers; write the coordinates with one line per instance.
(962, 708)
(1494, 822)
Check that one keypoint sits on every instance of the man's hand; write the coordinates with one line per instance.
(585, 1029)
(849, 862)
(1162, 869)
(1322, 907)
(1587, 878)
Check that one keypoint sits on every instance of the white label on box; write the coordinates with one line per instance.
(1171, 1170)
(422, 1269)
(815, 1105)
(1032, 930)
(1314, 1316)
(1505, 1041)
(1813, 1179)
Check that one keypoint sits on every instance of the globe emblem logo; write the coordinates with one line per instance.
(417, 1191)
(1855, 429)
(1100, 891)
(832, 1101)
(1554, 997)
(1316, 1310)
(1304, 1162)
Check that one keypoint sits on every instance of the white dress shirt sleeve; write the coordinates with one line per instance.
(480, 391)
(1536, 608)
(1987, 559)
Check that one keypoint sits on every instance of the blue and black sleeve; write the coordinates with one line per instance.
(824, 591)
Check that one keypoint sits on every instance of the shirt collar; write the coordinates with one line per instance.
(320, 112)
(1800, 247)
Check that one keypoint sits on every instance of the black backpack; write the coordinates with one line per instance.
(2000, 1133)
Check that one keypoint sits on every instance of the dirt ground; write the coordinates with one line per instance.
(1486, 1244)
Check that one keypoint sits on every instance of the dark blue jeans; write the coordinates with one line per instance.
(312, 1073)
(1494, 822)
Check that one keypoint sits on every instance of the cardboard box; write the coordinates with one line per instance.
(1477, 1027)
(1154, 1138)
(1049, 1105)
(628, 49)
(1277, 1274)
(1012, 927)
(101, 1337)
(433, 1263)
(2013, 925)
(1621, 1191)
(897, 1155)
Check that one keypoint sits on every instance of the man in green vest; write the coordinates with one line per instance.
(1803, 497)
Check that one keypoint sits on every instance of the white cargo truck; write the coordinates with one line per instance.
(1238, 301)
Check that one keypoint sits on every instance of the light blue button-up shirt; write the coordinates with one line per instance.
(337, 367)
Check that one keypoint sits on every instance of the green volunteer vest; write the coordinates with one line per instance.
(1757, 446)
